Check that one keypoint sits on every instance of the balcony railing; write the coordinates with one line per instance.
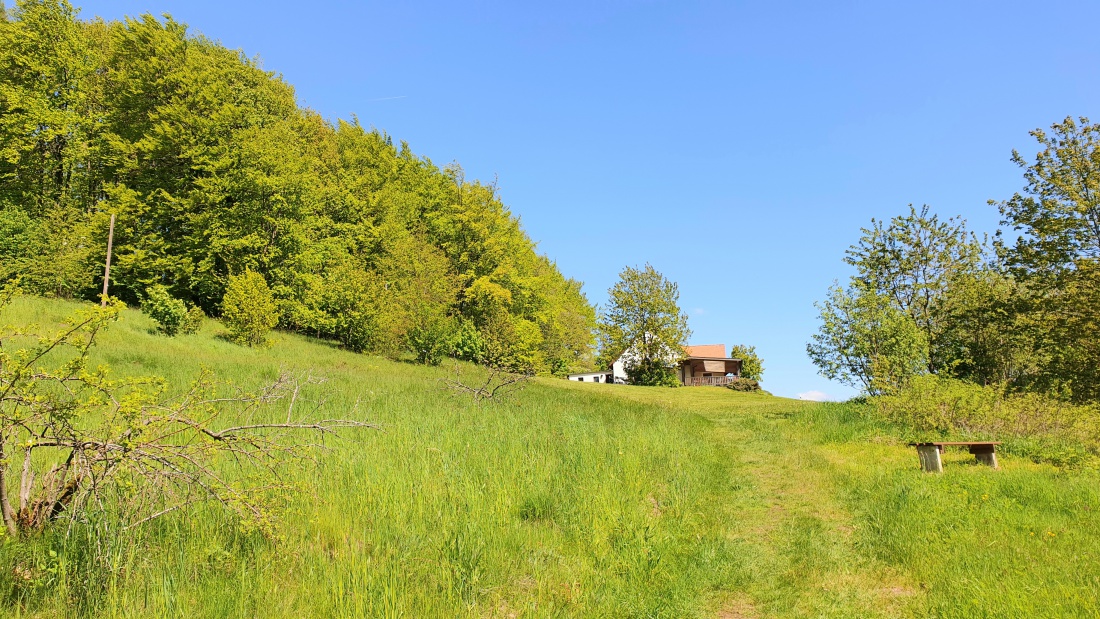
(708, 381)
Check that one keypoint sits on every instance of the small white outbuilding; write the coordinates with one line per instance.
(593, 377)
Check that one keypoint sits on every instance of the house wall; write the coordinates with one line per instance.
(592, 377)
(618, 370)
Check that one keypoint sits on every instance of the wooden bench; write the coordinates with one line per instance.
(984, 452)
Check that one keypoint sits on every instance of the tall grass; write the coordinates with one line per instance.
(575, 500)
(1020, 541)
(551, 503)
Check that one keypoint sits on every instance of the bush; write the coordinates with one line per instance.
(1040, 427)
(651, 373)
(365, 316)
(169, 312)
(192, 321)
(248, 309)
(744, 384)
(431, 342)
(468, 342)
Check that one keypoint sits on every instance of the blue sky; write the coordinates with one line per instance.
(737, 147)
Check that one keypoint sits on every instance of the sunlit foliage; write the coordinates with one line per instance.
(212, 169)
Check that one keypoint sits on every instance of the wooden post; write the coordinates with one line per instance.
(930, 458)
(107, 269)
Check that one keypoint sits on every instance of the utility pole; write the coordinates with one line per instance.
(107, 270)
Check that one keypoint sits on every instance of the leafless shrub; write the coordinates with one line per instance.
(498, 383)
(79, 440)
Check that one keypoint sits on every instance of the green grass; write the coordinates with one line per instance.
(581, 500)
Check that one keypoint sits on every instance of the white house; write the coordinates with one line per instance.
(703, 365)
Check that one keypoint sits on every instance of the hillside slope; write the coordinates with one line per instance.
(578, 500)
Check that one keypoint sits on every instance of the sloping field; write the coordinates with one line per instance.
(578, 500)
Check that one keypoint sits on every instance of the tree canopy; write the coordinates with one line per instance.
(213, 170)
(752, 366)
(911, 260)
(1056, 259)
(1058, 212)
(866, 342)
(644, 318)
(1023, 317)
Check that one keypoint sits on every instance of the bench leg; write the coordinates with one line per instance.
(930, 458)
(985, 455)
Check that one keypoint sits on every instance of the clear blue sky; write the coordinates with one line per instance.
(738, 147)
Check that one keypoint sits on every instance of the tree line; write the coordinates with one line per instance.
(213, 171)
(1017, 311)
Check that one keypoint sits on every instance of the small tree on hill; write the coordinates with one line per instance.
(171, 314)
(249, 309)
(643, 317)
(865, 342)
(752, 366)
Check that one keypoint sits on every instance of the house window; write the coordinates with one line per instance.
(580, 379)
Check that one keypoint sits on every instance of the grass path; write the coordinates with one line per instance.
(838, 521)
(808, 564)
(796, 545)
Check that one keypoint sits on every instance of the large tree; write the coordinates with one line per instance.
(1058, 212)
(1056, 258)
(990, 336)
(644, 319)
(911, 261)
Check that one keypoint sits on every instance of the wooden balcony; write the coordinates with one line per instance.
(708, 381)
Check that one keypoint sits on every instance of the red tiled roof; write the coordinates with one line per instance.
(706, 350)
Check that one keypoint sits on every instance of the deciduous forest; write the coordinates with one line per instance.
(213, 170)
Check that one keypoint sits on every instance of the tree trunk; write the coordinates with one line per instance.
(5, 502)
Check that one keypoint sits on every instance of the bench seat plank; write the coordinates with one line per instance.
(938, 443)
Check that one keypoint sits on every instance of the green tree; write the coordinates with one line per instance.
(424, 290)
(49, 126)
(643, 319)
(989, 335)
(248, 309)
(911, 261)
(1056, 258)
(1058, 213)
(866, 342)
(752, 366)
(213, 169)
(169, 312)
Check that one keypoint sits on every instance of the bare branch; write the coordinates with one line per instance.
(498, 384)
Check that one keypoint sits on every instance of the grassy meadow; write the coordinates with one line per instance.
(576, 500)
